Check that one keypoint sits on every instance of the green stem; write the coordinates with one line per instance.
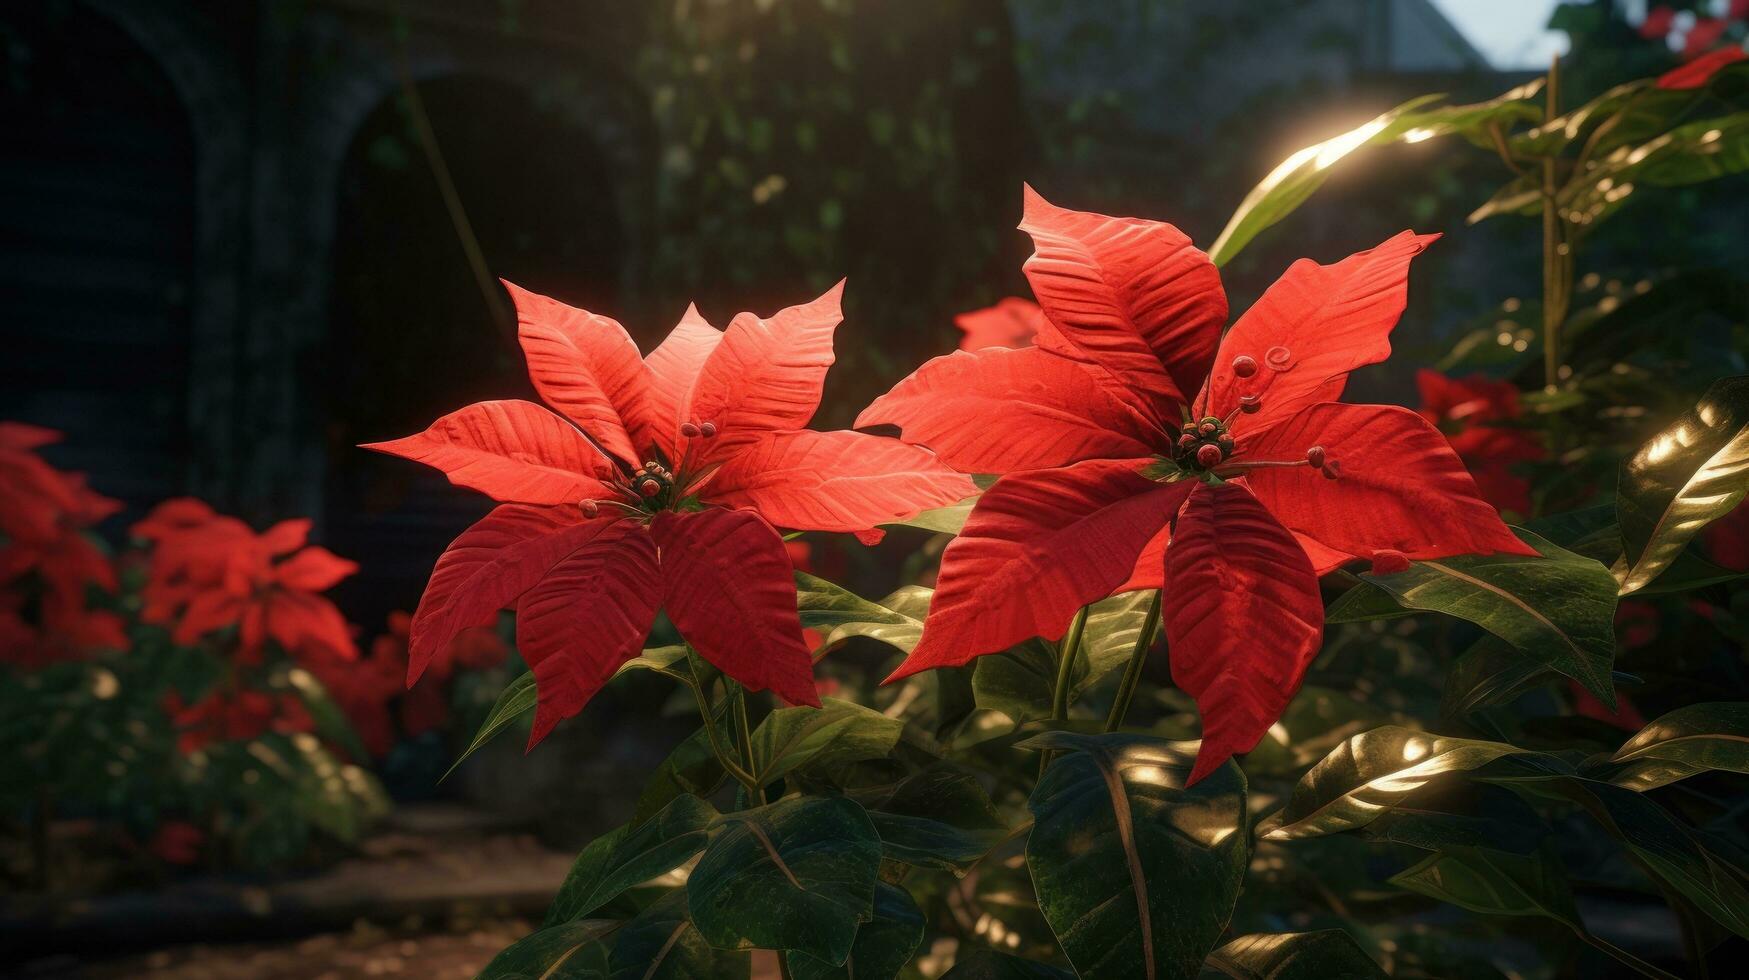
(744, 743)
(1557, 258)
(1068, 650)
(1132, 675)
(724, 759)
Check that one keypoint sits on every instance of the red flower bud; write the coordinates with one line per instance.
(648, 488)
(1244, 365)
(1249, 404)
(1186, 441)
(1209, 428)
(1331, 469)
(1315, 456)
(708, 429)
(689, 430)
(1209, 457)
(652, 466)
(591, 508)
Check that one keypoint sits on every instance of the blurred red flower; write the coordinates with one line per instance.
(659, 485)
(177, 842)
(237, 716)
(1012, 322)
(209, 571)
(1475, 414)
(1702, 69)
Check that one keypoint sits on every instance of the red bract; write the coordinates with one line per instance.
(239, 716)
(622, 504)
(208, 572)
(44, 514)
(1470, 411)
(1012, 322)
(1266, 485)
(1702, 69)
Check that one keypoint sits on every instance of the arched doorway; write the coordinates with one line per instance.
(97, 216)
(411, 334)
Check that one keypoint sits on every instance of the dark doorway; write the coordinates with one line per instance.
(412, 335)
(97, 226)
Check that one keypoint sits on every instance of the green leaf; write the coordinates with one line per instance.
(1328, 954)
(883, 944)
(835, 733)
(987, 964)
(1558, 609)
(330, 721)
(1370, 773)
(1690, 474)
(1491, 671)
(942, 520)
(1688, 154)
(516, 700)
(1494, 882)
(1296, 178)
(1684, 742)
(548, 952)
(1018, 682)
(839, 614)
(631, 855)
(939, 818)
(691, 768)
(1136, 874)
(663, 943)
(1670, 851)
(797, 874)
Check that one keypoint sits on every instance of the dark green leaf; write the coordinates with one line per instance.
(1690, 474)
(549, 952)
(839, 614)
(987, 964)
(1494, 882)
(1136, 874)
(1018, 682)
(1370, 773)
(797, 874)
(663, 944)
(835, 733)
(516, 700)
(630, 855)
(1558, 609)
(883, 944)
(1685, 742)
(1491, 671)
(1328, 954)
(691, 768)
(938, 818)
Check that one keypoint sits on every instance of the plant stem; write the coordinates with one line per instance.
(1068, 650)
(724, 758)
(1132, 674)
(744, 742)
(1557, 257)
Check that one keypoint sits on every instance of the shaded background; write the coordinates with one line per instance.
(239, 237)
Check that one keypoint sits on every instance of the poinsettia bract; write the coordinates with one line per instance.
(657, 483)
(1142, 448)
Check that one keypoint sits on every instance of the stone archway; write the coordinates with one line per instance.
(99, 207)
(410, 334)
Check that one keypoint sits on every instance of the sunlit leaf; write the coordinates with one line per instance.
(839, 614)
(1137, 875)
(797, 874)
(1370, 773)
(1690, 474)
(1686, 741)
(1328, 954)
(1296, 178)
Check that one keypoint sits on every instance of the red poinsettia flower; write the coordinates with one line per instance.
(1475, 414)
(1702, 69)
(238, 716)
(209, 572)
(658, 486)
(1134, 425)
(1012, 322)
(44, 514)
